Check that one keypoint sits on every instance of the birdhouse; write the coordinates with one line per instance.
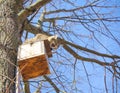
(33, 59)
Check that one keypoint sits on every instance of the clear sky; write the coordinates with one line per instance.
(82, 77)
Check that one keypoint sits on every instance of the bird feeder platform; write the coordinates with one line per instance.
(33, 59)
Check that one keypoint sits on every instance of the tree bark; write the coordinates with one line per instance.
(8, 45)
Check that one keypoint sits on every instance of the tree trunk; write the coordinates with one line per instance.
(8, 45)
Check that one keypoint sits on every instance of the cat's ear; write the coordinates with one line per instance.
(52, 37)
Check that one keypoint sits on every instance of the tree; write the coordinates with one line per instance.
(9, 34)
(88, 37)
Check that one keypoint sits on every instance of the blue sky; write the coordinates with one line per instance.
(63, 63)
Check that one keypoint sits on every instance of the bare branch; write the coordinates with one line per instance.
(71, 10)
(35, 30)
(23, 14)
(26, 87)
(72, 52)
(52, 84)
(41, 19)
(30, 28)
(90, 51)
(87, 20)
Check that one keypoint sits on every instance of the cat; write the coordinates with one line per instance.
(41, 37)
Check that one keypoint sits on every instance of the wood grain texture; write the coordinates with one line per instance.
(34, 67)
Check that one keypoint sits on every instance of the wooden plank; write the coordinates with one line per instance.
(34, 67)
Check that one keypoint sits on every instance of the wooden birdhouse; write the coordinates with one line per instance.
(33, 59)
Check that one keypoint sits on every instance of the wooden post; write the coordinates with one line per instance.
(18, 81)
